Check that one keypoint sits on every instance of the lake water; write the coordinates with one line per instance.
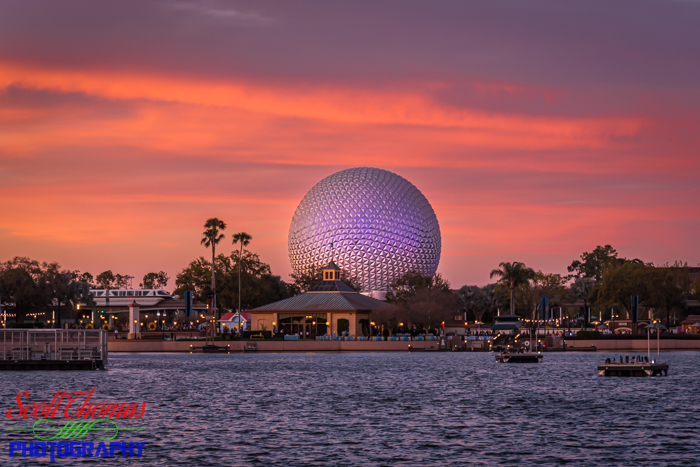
(373, 409)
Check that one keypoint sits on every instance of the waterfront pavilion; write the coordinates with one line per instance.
(329, 307)
(507, 324)
(166, 311)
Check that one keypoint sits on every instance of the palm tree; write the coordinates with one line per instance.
(581, 289)
(513, 274)
(212, 236)
(244, 239)
(469, 295)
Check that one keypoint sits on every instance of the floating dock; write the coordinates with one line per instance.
(529, 357)
(638, 365)
(633, 369)
(211, 348)
(51, 365)
(53, 349)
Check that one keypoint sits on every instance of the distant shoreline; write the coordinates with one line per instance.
(601, 345)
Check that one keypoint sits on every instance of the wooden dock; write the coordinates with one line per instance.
(633, 369)
(528, 357)
(53, 349)
(211, 348)
(51, 365)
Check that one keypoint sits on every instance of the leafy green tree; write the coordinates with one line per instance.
(21, 284)
(109, 280)
(542, 284)
(480, 301)
(255, 281)
(513, 274)
(31, 286)
(58, 286)
(595, 263)
(258, 285)
(620, 282)
(121, 281)
(582, 289)
(492, 301)
(212, 237)
(106, 280)
(196, 277)
(389, 316)
(65, 289)
(475, 300)
(527, 294)
(88, 279)
(79, 292)
(425, 300)
(155, 280)
(244, 239)
(669, 288)
(407, 286)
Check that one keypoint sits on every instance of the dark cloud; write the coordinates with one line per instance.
(625, 43)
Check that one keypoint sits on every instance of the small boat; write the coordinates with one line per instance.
(531, 356)
(527, 357)
(211, 348)
(637, 365)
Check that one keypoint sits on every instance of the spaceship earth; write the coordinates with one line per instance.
(374, 224)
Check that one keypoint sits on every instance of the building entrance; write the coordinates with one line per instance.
(305, 326)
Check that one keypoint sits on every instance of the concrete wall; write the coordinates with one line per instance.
(123, 345)
(147, 345)
(258, 320)
(634, 345)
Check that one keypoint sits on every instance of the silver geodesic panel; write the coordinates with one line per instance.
(373, 223)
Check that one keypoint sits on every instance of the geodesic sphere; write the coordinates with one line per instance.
(373, 223)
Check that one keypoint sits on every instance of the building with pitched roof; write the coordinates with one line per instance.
(329, 308)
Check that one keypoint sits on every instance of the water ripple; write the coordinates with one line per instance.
(377, 409)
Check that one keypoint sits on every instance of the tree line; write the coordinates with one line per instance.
(600, 279)
(29, 286)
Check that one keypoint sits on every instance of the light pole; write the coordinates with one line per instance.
(162, 326)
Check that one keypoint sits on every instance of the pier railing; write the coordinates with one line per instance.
(53, 344)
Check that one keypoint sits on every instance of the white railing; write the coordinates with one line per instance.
(53, 344)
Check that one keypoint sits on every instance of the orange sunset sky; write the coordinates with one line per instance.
(537, 130)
